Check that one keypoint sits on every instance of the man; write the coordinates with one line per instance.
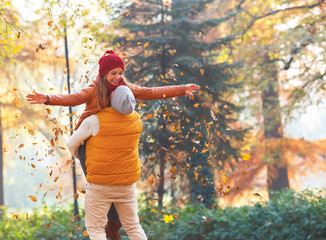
(112, 164)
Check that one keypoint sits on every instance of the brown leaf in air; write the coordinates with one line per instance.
(31, 132)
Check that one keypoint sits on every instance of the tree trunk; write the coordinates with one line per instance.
(161, 190)
(1, 170)
(277, 176)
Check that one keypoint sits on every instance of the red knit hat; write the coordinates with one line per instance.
(110, 60)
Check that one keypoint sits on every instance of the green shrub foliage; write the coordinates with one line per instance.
(289, 215)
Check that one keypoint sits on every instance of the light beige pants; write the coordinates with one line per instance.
(98, 200)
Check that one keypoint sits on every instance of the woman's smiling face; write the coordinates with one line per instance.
(114, 76)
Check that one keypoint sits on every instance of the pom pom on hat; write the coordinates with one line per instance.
(110, 60)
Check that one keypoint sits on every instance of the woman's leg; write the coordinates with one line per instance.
(127, 210)
(96, 207)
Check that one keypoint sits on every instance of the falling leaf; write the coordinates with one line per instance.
(151, 158)
(21, 145)
(150, 180)
(173, 51)
(14, 215)
(224, 178)
(70, 234)
(200, 33)
(50, 23)
(146, 45)
(118, 44)
(127, 14)
(14, 89)
(65, 72)
(245, 157)
(196, 175)
(48, 225)
(52, 143)
(151, 140)
(168, 218)
(196, 105)
(33, 198)
(181, 74)
(31, 132)
(33, 165)
(202, 71)
(85, 233)
(257, 194)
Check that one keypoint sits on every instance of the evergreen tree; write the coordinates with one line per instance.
(167, 44)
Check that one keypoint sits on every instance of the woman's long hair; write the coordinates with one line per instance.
(101, 85)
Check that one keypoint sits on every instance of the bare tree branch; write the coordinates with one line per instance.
(320, 2)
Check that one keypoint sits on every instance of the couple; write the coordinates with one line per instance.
(112, 164)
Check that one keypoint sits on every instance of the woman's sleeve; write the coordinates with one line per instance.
(145, 93)
(73, 99)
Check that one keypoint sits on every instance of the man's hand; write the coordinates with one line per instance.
(37, 98)
(191, 89)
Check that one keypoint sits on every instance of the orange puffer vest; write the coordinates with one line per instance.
(112, 155)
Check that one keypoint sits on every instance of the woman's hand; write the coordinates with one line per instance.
(191, 89)
(37, 98)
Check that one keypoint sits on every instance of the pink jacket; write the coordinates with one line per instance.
(89, 96)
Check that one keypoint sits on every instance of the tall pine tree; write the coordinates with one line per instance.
(190, 137)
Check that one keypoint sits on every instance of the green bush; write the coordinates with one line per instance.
(289, 215)
(44, 224)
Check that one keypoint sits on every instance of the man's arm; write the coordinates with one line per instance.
(89, 127)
